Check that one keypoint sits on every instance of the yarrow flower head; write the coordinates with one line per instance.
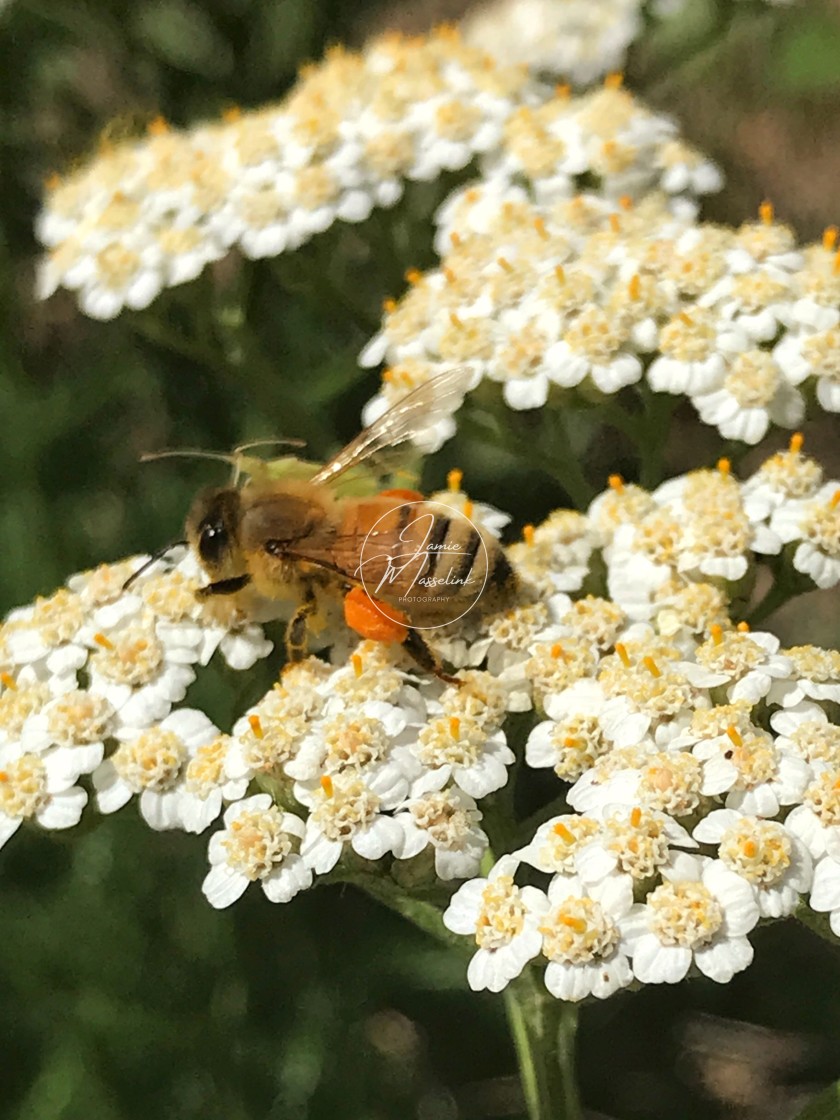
(153, 212)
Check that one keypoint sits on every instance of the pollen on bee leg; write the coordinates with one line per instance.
(616, 482)
(651, 666)
(8, 680)
(724, 466)
(357, 663)
(829, 237)
(796, 442)
(716, 630)
(256, 726)
(734, 736)
(101, 640)
(624, 656)
(454, 479)
(766, 212)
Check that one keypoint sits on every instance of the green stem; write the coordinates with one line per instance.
(424, 915)
(786, 586)
(543, 1031)
(655, 429)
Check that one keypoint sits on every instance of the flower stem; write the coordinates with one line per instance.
(655, 430)
(543, 1031)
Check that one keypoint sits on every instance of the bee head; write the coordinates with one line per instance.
(211, 530)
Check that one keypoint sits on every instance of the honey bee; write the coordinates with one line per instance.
(402, 563)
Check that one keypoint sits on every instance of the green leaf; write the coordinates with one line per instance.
(808, 57)
(824, 1107)
(184, 36)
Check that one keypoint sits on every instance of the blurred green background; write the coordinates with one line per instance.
(122, 994)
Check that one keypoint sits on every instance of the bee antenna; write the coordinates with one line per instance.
(153, 559)
(283, 441)
(188, 453)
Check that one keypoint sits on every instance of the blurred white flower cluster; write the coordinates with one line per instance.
(698, 766)
(153, 212)
(590, 295)
(575, 40)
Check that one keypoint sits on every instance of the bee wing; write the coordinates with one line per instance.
(436, 399)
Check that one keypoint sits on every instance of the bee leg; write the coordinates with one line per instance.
(298, 625)
(384, 623)
(223, 587)
(415, 645)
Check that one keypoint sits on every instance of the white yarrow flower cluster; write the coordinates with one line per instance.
(153, 212)
(543, 293)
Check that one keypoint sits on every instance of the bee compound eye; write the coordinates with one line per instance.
(212, 542)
